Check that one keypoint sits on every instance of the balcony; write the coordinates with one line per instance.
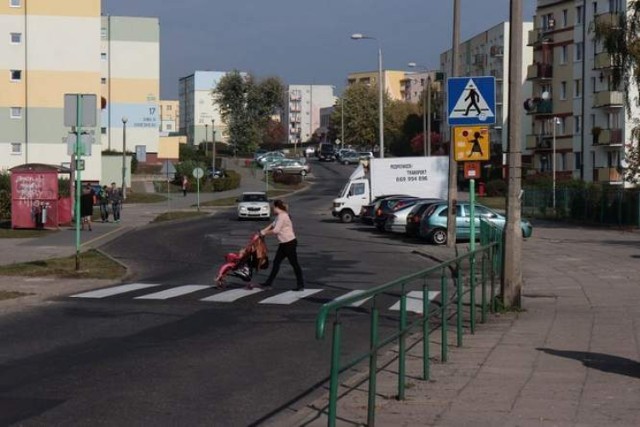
(541, 107)
(603, 60)
(606, 175)
(608, 137)
(610, 99)
(496, 51)
(611, 19)
(539, 71)
(539, 36)
(479, 59)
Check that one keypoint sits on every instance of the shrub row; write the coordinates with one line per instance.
(287, 179)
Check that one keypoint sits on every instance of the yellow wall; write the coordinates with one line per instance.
(46, 87)
(53, 8)
(392, 81)
(132, 90)
(169, 146)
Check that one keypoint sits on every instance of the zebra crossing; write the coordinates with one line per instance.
(159, 292)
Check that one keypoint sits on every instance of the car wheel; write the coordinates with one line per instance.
(439, 236)
(346, 216)
(303, 173)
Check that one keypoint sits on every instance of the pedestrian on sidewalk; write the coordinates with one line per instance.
(86, 206)
(282, 228)
(115, 197)
(103, 200)
(185, 185)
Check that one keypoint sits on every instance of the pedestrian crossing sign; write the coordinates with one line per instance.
(471, 100)
(471, 143)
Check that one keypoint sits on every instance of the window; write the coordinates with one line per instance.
(103, 80)
(578, 15)
(16, 148)
(593, 85)
(103, 56)
(562, 122)
(565, 17)
(577, 160)
(15, 112)
(169, 126)
(103, 33)
(578, 51)
(356, 190)
(103, 130)
(15, 3)
(577, 124)
(563, 90)
(16, 75)
(577, 88)
(169, 107)
(16, 38)
(563, 54)
(595, 8)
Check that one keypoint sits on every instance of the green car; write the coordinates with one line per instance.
(433, 226)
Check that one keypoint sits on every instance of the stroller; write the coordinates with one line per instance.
(242, 264)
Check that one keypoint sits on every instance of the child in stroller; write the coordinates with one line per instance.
(242, 264)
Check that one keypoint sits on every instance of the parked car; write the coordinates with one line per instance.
(349, 158)
(254, 204)
(396, 221)
(269, 157)
(326, 152)
(272, 163)
(414, 217)
(368, 212)
(259, 152)
(433, 227)
(215, 174)
(365, 155)
(391, 205)
(309, 151)
(290, 166)
(341, 152)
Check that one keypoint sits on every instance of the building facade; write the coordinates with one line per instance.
(169, 117)
(130, 80)
(580, 118)
(393, 81)
(302, 110)
(199, 113)
(487, 54)
(48, 49)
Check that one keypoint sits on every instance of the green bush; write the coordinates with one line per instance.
(496, 188)
(287, 179)
(230, 182)
(5, 196)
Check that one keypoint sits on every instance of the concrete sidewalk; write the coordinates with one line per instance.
(571, 358)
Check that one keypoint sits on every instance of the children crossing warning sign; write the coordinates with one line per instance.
(471, 143)
(472, 100)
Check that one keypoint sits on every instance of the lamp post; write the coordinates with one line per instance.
(213, 148)
(556, 122)
(426, 112)
(206, 135)
(358, 36)
(342, 120)
(124, 157)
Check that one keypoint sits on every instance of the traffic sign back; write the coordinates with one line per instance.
(472, 100)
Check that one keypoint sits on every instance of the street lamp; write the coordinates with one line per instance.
(358, 36)
(124, 156)
(426, 112)
(342, 119)
(206, 135)
(213, 148)
(555, 121)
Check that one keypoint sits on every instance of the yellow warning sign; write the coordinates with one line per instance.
(471, 143)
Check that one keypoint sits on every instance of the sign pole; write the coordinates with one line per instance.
(78, 177)
(198, 193)
(472, 214)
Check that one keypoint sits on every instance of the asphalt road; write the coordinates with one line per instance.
(182, 361)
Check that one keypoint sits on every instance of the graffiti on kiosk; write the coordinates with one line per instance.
(32, 187)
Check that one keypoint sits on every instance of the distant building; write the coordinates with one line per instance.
(130, 80)
(325, 121)
(169, 116)
(393, 81)
(199, 113)
(302, 110)
(415, 85)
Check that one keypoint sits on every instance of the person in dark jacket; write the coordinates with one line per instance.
(86, 206)
(115, 197)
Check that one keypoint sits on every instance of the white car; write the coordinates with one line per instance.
(254, 204)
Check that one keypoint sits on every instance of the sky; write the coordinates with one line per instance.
(303, 41)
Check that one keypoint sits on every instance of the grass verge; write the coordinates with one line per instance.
(145, 198)
(499, 203)
(11, 233)
(93, 265)
(5, 295)
(170, 216)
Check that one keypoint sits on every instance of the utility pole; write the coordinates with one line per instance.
(213, 147)
(512, 272)
(453, 166)
(429, 114)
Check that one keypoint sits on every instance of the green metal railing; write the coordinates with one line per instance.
(462, 271)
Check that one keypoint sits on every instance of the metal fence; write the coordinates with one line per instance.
(458, 281)
(595, 205)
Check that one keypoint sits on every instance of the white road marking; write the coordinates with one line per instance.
(174, 292)
(232, 295)
(414, 301)
(357, 303)
(116, 290)
(289, 297)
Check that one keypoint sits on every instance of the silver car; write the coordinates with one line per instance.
(293, 167)
(397, 221)
(254, 204)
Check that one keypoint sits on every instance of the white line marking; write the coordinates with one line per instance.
(414, 301)
(231, 295)
(102, 293)
(174, 292)
(290, 297)
(357, 303)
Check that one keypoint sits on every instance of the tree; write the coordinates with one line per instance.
(620, 38)
(275, 134)
(246, 107)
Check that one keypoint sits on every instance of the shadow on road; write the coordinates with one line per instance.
(602, 362)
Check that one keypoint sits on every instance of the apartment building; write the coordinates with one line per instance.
(578, 115)
(199, 113)
(393, 81)
(487, 54)
(302, 110)
(169, 116)
(130, 81)
(47, 49)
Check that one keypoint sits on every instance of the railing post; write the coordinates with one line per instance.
(401, 344)
(472, 296)
(444, 317)
(459, 304)
(483, 278)
(335, 371)
(373, 365)
(425, 332)
(494, 255)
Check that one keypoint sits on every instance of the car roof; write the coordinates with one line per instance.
(253, 193)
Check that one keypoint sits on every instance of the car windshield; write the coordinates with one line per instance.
(254, 198)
